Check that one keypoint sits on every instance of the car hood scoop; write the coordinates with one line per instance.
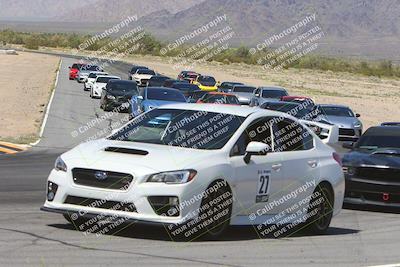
(125, 150)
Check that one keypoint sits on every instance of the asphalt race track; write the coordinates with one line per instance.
(31, 237)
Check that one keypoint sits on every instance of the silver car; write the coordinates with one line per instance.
(270, 93)
(350, 127)
(85, 71)
(244, 93)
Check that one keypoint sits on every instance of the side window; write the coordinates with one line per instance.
(258, 131)
(289, 135)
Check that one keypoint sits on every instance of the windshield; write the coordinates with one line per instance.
(207, 80)
(273, 94)
(94, 75)
(105, 79)
(336, 111)
(376, 141)
(144, 71)
(165, 95)
(90, 68)
(123, 87)
(175, 127)
(297, 111)
(243, 89)
(220, 99)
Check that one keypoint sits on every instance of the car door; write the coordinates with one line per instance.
(294, 144)
(255, 182)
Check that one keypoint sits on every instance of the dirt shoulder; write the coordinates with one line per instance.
(26, 82)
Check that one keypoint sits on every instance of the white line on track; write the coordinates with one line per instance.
(46, 115)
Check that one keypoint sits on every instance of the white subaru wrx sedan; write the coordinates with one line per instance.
(200, 168)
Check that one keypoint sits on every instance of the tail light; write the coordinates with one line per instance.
(337, 157)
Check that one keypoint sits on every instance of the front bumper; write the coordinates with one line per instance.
(375, 192)
(93, 215)
(138, 193)
(347, 134)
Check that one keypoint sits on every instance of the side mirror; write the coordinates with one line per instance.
(348, 145)
(69, 67)
(358, 115)
(255, 149)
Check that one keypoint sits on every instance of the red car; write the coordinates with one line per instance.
(74, 69)
(219, 98)
(188, 75)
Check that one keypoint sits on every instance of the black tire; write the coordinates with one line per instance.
(221, 224)
(320, 209)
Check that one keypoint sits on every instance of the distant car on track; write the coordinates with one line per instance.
(169, 82)
(74, 69)
(100, 83)
(186, 88)
(188, 75)
(219, 98)
(91, 79)
(372, 168)
(157, 80)
(134, 69)
(244, 93)
(267, 93)
(153, 97)
(85, 71)
(392, 123)
(195, 96)
(206, 83)
(226, 87)
(156, 169)
(118, 93)
(142, 76)
(350, 127)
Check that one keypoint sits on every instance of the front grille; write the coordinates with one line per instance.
(387, 175)
(101, 179)
(144, 81)
(100, 203)
(349, 132)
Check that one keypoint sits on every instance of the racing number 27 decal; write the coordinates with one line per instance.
(263, 186)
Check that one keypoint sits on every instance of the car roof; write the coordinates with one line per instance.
(226, 109)
(272, 88)
(295, 97)
(243, 85)
(108, 76)
(332, 106)
(383, 131)
(282, 103)
(122, 81)
(220, 93)
(162, 88)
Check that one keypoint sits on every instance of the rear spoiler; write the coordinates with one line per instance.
(328, 133)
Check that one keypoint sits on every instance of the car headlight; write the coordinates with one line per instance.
(174, 177)
(357, 124)
(110, 97)
(60, 165)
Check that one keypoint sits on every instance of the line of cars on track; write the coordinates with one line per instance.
(224, 161)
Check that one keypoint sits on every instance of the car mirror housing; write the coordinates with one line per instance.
(358, 115)
(255, 148)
